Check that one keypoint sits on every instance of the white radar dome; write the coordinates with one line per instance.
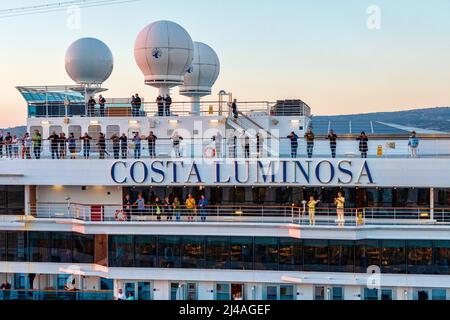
(163, 51)
(89, 61)
(203, 72)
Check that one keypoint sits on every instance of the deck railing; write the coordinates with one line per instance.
(240, 214)
(208, 148)
(28, 294)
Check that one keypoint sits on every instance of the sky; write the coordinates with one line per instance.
(340, 57)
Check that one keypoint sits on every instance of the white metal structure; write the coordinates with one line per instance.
(201, 76)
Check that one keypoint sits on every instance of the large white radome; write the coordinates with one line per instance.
(163, 51)
(89, 61)
(203, 73)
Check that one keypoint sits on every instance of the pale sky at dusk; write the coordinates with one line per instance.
(320, 51)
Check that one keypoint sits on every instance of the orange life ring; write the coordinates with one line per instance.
(120, 215)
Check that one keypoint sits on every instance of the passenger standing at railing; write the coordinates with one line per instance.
(127, 204)
(294, 144)
(413, 144)
(86, 145)
(140, 204)
(158, 205)
(309, 136)
(116, 146)
(137, 145)
(234, 109)
(363, 144)
(245, 139)
(160, 104)
(218, 140)
(312, 203)
(37, 143)
(1, 144)
(191, 207)
(168, 209)
(258, 145)
(91, 107)
(203, 204)
(137, 105)
(333, 143)
(152, 144)
(176, 207)
(27, 142)
(62, 145)
(167, 105)
(72, 145)
(124, 146)
(101, 145)
(6, 287)
(340, 204)
(15, 146)
(101, 102)
(8, 143)
(176, 140)
(54, 142)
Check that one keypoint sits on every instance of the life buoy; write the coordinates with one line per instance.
(210, 152)
(120, 215)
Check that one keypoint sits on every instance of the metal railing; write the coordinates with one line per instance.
(28, 294)
(225, 148)
(124, 108)
(241, 214)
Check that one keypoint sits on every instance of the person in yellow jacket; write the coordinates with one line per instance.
(312, 203)
(191, 206)
(340, 205)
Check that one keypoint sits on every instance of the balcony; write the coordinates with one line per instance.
(292, 215)
(24, 294)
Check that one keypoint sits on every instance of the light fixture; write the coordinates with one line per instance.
(133, 122)
(94, 122)
(45, 122)
(295, 121)
(173, 121)
(214, 121)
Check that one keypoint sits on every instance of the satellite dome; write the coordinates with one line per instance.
(203, 72)
(163, 51)
(89, 61)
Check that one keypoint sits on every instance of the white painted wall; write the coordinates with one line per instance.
(92, 194)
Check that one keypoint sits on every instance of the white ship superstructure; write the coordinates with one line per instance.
(100, 214)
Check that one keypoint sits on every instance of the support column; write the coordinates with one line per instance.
(27, 200)
(432, 204)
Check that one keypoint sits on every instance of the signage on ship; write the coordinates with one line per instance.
(243, 172)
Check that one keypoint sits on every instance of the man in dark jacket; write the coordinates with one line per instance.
(124, 146)
(333, 143)
(152, 144)
(86, 145)
(54, 142)
(309, 137)
(294, 144)
(102, 102)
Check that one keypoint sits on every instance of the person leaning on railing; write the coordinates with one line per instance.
(86, 145)
(54, 142)
(312, 203)
(191, 207)
(71, 141)
(176, 206)
(413, 144)
(363, 144)
(37, 143)
(333, 143)
(101, 145)
(124, 145)
(152, 144)
(116, 145)
(309, 136)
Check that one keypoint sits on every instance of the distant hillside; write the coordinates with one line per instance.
(18, 131)
(431, 118)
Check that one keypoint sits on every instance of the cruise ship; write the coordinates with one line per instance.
(145, 198)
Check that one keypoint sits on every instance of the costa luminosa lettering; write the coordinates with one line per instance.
(287, 172)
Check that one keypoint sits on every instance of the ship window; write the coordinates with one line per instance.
(286, 292)
(83, 248)
(266, 253)
(39, 246)
(242, 253)
(3, 246)
(367, 254)
(145, 251)
(420, 257)
(56, 129)
(386, 294)
(17, 246)
(191, 291)
(61, 247)
(370, 294)
(319, 293)
(271, 293)
(169, 252)
(217, 252)
(174, 291)
(290, 254)
(341, 256)
(12, 200)
(315, 253)
(439, 294)
(393, 257)
(94, 132)
(223, 292)
(192, 252)
(337, 293)
(121, 253)
(442, 257)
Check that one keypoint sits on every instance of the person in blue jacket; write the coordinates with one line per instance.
(294, 144)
